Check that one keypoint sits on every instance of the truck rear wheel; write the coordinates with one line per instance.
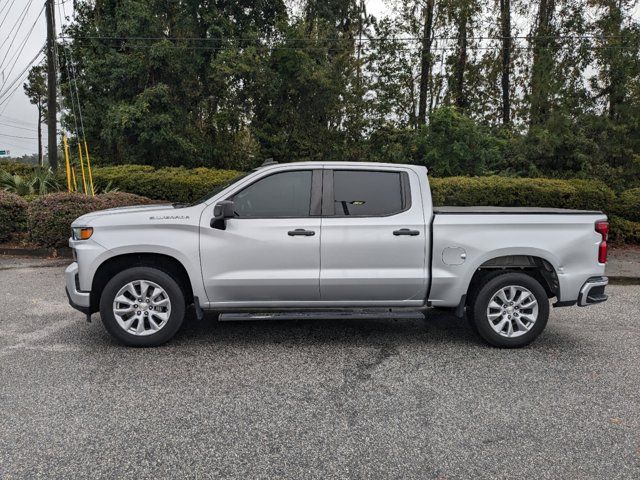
(510, 310)
(142, 307)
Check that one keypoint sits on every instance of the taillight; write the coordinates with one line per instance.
(603, 229)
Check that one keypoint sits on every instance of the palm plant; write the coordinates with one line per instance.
(41, 182)
(44, 181)
(15, 184)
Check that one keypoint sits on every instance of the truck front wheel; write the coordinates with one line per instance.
(510, 310)
(142, 307)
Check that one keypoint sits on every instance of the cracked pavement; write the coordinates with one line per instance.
(363, 398)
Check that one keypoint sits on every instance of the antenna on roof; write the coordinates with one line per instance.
(267, 162)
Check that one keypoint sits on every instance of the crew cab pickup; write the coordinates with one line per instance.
(326, 236)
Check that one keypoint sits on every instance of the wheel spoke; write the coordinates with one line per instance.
(521, 326)
(161, 315)
(494, 305)
(153, 324)
(160, 303)
(124, 299)
(509, 328)
(529, 318)
(529, 305)
(122, 311)
(502, 296)
(127, 323)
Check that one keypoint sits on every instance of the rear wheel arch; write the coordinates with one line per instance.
(114, 265)
(535, 266)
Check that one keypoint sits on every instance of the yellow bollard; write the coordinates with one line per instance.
(66, 159)
(84, 178)
(75, 180)
(86, 152)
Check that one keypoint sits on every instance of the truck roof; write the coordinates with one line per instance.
(343, 164)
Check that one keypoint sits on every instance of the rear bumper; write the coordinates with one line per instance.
(593, 291)
(77, 299)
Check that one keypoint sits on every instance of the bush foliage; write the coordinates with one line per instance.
(13, 214)
(629, 205)
(50, 216)
(522, 192)
(623, 231)
(177, 184)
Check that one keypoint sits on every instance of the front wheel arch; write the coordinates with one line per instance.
(114, 265)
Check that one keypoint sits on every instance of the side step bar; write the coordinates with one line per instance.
(329, 315)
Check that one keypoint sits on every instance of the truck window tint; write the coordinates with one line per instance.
(286, 194)
(367, 193)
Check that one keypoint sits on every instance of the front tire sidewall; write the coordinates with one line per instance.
(170, 286)
(485, 295)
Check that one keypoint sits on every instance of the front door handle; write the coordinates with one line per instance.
(406, 231)
(301, 232)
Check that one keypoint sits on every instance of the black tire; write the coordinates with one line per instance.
(473, 295)
(483, 296)
(171, 287)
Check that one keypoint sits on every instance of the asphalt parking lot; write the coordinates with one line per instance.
(367, 398)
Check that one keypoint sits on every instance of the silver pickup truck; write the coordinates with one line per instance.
(325, 236)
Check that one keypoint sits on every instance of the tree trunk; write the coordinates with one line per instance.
(617, 77)
(40, 158)
(52, 150)
(543, 62)
(461, 64)
(505, 26)
(425, 65)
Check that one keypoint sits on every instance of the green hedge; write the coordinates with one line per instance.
(172, 183)
(13, 214)
(623, 231)
(522, 192)
(628, 205)
(17, 168)
(50, 216)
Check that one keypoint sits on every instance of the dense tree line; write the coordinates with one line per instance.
(549, 87)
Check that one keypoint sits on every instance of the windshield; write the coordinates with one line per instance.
(216, 190)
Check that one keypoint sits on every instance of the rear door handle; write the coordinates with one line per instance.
(301, 232)
(406, 231)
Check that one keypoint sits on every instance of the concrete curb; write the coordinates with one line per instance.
(64, 252)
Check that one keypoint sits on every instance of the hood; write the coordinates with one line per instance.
(85, 219)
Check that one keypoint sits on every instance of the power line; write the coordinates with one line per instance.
(18, 127)
(8, 94)
(19, 76)
(366, 39)
(14, 120)
(24, 43)
(6, 14)
(15, 136)
(18, 23)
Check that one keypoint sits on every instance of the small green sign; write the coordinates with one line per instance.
(5, 152)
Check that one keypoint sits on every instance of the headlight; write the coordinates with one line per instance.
(81, 233)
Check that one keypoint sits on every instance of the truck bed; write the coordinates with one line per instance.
(451, 210)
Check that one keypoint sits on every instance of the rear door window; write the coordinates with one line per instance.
(368, 193)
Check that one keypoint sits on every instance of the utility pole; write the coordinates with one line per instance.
(51, 86)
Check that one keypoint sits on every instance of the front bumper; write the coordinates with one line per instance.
(593, 291)
(77, 299)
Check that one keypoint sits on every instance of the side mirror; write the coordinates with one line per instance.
(222, 211)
